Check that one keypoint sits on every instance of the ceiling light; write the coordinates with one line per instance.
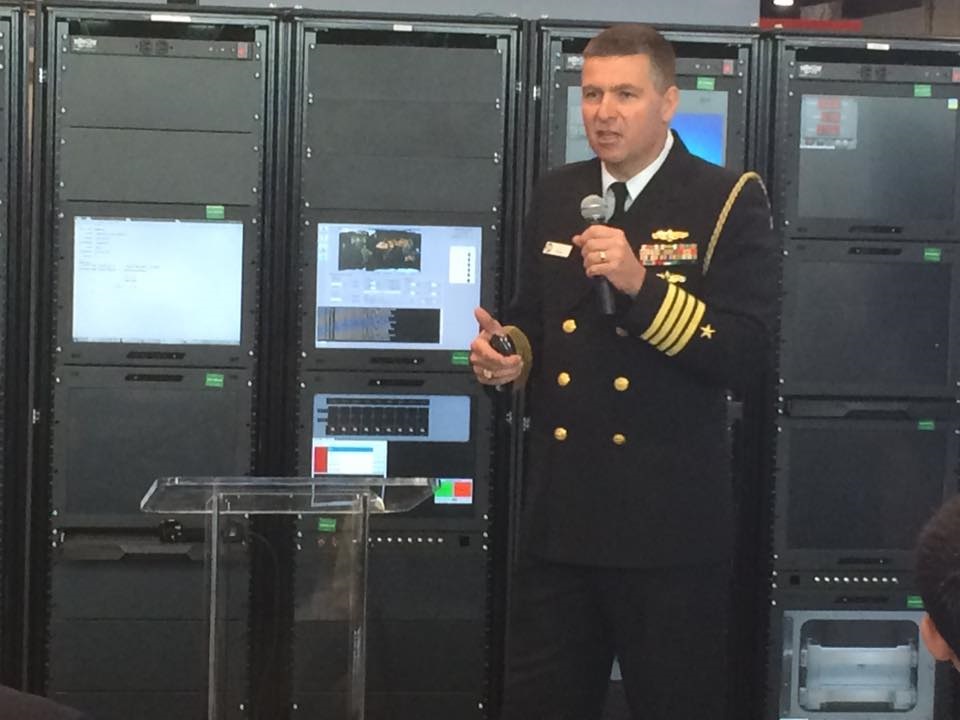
(783, 3)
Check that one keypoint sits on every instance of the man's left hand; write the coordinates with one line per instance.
(606, 253)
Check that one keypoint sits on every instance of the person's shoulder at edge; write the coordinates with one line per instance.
(559, 177)
(17, 705)
(699, 170)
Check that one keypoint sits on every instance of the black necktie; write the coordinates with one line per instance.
(620, 195)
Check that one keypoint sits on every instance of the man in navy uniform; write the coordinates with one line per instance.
(627, 530)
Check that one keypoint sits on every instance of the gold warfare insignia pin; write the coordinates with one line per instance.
(667, 253)
(672, 277)
(670, 236)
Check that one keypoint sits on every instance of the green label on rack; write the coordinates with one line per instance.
(921, 90)
(215, 212)
(706, 83)
(914, 602)
(460, 357)
(932, 254)
(926, 425)
(327, 525)
(214, 380)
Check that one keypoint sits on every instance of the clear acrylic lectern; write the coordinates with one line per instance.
(344, 503)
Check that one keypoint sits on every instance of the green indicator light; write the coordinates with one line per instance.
(327, 525)
(460, 357)
(444, 489)
(921, 90)
(926, 425)
(215, 212)
(932, 254)
(214, 380)
(914, 602)
(706, 83)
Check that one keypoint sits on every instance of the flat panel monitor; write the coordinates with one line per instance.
(867, 150)
(403, 433)
(396, 287)
(877, 159)
(869, 319)
(700, 121)
(157, 282)
(853, 664)
(855, 491)
(165, 285)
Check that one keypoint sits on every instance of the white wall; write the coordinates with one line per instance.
(905, 22)
(740, 13)
(946, 18)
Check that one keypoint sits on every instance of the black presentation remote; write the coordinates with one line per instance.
(503, 345)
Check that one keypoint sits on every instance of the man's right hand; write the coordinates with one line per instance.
(490, 367)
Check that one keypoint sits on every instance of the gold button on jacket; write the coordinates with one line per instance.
(621, 384)
(619, 439)
(560, 434)
(569, 326)
(563, 379)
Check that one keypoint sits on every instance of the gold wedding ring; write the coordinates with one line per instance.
(603, 256)
(488, 374)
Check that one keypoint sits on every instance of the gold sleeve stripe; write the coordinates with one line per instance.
(522, 343)
(680, 310)
(672, 291)
(681, 325)
(683, 299)
(691, 329)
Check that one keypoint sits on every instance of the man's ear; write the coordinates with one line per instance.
(671, 99)
(934, 641)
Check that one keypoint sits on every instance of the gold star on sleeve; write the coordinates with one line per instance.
(707, 331)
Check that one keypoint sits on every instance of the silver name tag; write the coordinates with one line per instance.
(557, 249)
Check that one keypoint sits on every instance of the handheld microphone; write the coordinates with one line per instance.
(595, 210)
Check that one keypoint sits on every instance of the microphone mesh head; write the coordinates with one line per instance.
(595, 209)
